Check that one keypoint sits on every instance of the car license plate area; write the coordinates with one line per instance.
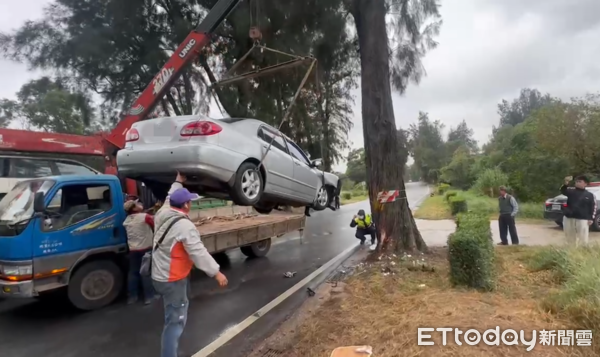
(556, 207)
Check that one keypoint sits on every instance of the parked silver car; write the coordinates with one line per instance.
(221, 159)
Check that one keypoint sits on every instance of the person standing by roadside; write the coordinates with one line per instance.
(580, 211)
(509, 208)
(140, 232)
(178, 247)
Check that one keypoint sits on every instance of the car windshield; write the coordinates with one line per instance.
(17, 205)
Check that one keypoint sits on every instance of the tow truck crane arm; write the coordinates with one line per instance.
(108, 145)
(185, 53)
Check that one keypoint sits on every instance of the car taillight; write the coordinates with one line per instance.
(564, 205)
(132, 135)
(200, 128)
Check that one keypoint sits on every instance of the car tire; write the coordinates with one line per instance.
(247, 172)
(264, 209)
(106, 288)
(596, 224)
(258, 249)
(323, 198)
(559, 223)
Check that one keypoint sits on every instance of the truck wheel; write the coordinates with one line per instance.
(558, 223)
(248, 185)
(258, 249)
(95, 285)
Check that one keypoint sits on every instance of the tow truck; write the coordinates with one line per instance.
(65, 233)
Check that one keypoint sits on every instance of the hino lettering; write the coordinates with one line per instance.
(187, 48)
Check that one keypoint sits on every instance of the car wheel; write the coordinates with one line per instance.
(248, 185)
(559, 223)
(322, 199)
(596, 224)
(264, 208)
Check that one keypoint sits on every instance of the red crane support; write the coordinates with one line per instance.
(108, 145)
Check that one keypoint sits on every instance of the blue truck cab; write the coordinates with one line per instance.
(64, 233)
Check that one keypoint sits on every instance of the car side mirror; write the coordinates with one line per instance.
(38, 203)
(317, 162)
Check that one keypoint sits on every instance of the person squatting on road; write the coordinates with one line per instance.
(509, 208)
(172, 262)
(140, 232)
(364, 226)
(580, 211)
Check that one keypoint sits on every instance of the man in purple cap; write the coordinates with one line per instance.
(173, 259)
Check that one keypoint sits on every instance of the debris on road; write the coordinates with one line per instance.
(289, 274)
(352, 351)
(310, 292)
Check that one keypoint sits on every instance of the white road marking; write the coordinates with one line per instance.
(233, 331)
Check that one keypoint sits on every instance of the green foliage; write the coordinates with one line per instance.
(458, 204)
(471, 253)
(458, 172)
(358, 193)
(489, 181)
(461, 137)
(570, 130)
(428, 147)
(347, 195)
(449, 194)
(51, 106)
(356, 165)
(442, 188)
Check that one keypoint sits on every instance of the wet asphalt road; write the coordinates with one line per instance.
(53, 329)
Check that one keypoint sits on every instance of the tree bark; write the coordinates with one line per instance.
(394, 221)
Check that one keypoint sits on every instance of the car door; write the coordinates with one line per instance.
(305, 181)
(278, 163)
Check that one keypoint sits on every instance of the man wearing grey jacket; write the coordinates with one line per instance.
(173, 259)
(506, 221)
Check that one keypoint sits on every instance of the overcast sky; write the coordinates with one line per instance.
(489, 50)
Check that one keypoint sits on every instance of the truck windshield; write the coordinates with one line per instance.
(17, 205)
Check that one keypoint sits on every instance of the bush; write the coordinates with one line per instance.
(449, 195)
(458, 204)
(471, 253)
(442, 188)
(488, 182)
(347, 195)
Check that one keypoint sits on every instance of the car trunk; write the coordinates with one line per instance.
(556, 204)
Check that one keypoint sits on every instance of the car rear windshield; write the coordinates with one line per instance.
(231, 120)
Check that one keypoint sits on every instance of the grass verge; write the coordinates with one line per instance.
(436, 207)
(353, 199)
(383, 305)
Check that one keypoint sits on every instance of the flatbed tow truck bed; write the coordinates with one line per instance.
(221, 233)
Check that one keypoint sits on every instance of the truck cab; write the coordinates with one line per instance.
(64, 232)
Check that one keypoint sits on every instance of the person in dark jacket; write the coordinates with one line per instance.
(364, 226)
(580, 211)
(509, 208)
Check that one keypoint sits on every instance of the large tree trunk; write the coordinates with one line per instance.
(395, 224)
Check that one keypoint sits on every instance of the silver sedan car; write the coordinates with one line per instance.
(222, 158)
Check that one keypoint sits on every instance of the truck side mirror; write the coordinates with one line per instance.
(38, 203)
